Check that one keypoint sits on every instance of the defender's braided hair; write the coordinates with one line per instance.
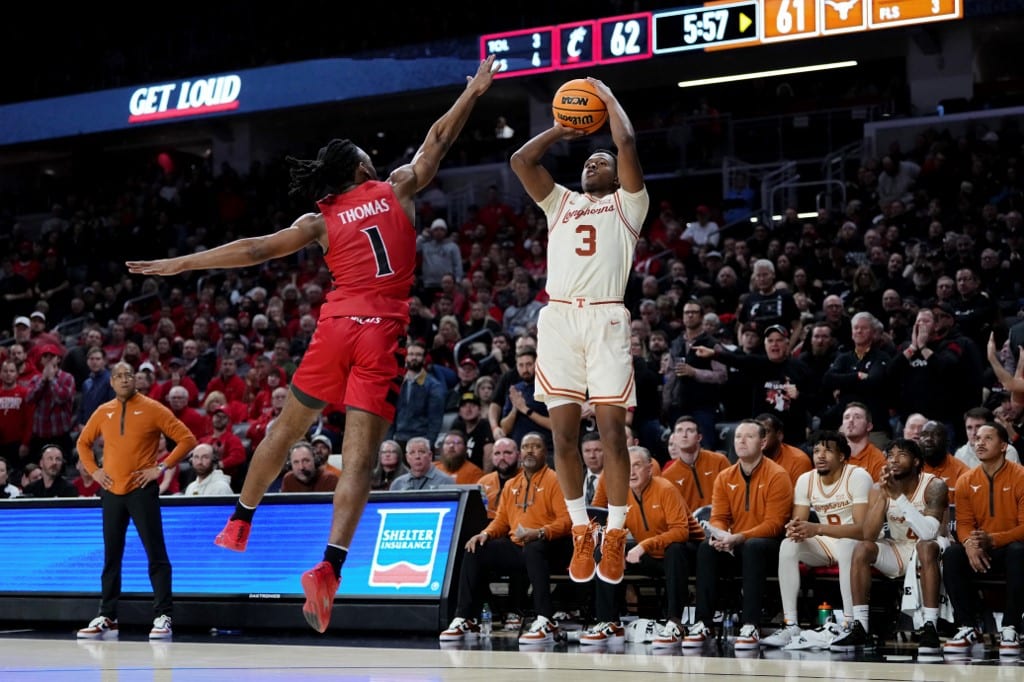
(334, 167)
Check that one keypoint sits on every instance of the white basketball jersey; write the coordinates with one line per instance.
(591, 242)
(834, 503)
(899, 531)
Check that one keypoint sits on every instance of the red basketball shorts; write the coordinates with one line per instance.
(354, 361)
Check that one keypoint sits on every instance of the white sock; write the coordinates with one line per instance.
(343, 549)
(617, 516)
(860, 614)
(931, 615)
(578, 511)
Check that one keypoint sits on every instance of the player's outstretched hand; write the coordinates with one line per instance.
(163, 267)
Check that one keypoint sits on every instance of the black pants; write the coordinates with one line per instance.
(959, 578)
(143, 507)
(501, 556)
(755, 560)
(674, 567)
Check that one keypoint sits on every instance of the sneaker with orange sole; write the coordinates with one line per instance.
(235, 535)
(613, 556)
(320, 586)
(584, 539)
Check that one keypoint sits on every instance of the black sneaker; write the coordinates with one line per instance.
(854, 638)
(928, 640)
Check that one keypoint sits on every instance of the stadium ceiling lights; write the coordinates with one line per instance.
(767, 74)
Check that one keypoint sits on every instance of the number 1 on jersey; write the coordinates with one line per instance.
(380, 252)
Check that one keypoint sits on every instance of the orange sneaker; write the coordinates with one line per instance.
(235, 535)
(320, 586)
(613, 556)
(582, 567)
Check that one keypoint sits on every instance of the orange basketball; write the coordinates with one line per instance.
(576, 105)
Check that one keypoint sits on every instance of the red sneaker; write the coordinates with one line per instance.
(235, 535)
(320, 586)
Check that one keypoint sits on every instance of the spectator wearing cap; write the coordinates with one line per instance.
(229, 448)
(479, 439)
(23, 331)
(439, 257)
(323, 448)
(779, 382)
(96, 389)
(703, 231)
(177, 376)
(52, 395)
(468, 374)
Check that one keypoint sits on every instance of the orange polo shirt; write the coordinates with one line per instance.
(696, 481)
(994, 505)
(872, 459)
(758, 507)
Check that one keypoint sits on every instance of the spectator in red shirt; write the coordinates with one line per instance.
(15, 417)
(177, 377)
(228, 382)
(237, 411)
(226, 445)
(177, 399)
(258, 428)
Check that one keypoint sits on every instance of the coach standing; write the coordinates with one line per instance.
(131, 425)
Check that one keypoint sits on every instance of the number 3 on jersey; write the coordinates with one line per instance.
(380, 252)
(588, 239)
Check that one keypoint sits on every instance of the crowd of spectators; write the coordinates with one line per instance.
(926, 255)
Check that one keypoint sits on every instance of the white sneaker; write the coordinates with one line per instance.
(604, 633)
(1009, 643)
(962, 642)
(819, 638)
(461, 629)
(696, 635)
(749, 638)
(669, 635)
(161, 628)
(542, 631)
(99, 627)
(782, 636)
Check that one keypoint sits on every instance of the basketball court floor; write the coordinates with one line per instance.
(55, 654)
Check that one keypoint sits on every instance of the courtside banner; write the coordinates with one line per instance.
(247, 91)
(402, 547)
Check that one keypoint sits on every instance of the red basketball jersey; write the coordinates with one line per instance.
(371, 253)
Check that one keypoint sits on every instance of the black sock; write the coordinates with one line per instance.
(335, 556)
(242, 513)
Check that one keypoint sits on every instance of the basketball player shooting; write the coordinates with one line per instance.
(583, 334)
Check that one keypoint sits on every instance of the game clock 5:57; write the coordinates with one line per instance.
(702, 27)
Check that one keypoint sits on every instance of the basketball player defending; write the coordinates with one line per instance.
(583, 334)
(367, 231)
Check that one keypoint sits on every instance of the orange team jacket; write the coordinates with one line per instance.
(994, 505)
(950, 472)
(871, 459)
(492, 490)
(696, 481)
(793, 460)
(467, 474)
(758, 508)
(601, 493)
(531, 502)
(131, 434)
(660, 517)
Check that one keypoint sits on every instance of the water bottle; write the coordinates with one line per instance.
(728, 626)
(485, 621)
(824, 612)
